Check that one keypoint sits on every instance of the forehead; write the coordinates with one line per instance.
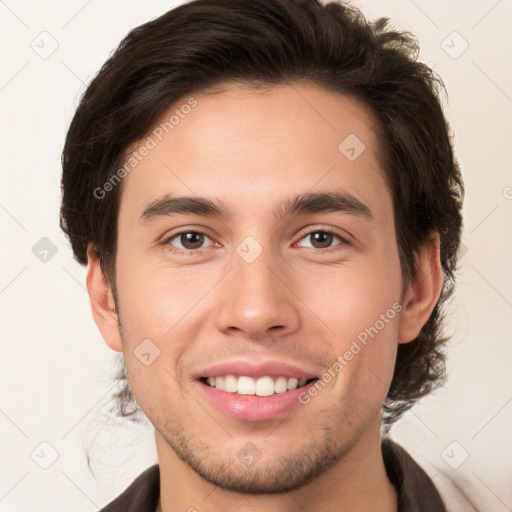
(244, 145)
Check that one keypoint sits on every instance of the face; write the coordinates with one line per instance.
(265, 289)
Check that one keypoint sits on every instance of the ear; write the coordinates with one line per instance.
(102, 302)
(423, 292)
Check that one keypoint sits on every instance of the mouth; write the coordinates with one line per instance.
(264, 386)
(255, 399)
(253, 390)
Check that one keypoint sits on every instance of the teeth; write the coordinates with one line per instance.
(245, 386)
(263, 386)
(230, 384)
(281, 385)
(293, 383)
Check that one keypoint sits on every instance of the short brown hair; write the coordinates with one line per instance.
(204, 43)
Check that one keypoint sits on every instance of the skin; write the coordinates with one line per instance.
(252, 149)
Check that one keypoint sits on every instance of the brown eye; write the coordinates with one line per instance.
(191, 240)
(322, 239)
(188, 240)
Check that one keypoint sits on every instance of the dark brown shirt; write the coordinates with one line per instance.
(415, 490)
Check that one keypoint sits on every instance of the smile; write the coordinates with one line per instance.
(251, 406)
(262, 386)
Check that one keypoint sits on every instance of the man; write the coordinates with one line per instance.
(267, 199)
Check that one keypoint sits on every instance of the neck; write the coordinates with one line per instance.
(357, 483)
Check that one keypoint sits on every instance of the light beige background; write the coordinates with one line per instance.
(56, 371)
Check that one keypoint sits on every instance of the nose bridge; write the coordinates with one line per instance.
(255, 299)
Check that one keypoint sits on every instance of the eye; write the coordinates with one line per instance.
(322, 239)
(189, 240)
(192, 241)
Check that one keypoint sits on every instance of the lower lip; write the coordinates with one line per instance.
(252, 407)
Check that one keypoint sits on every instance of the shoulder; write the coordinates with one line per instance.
(416, 490)
(141, 495)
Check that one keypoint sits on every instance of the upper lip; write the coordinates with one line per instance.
(255, 369)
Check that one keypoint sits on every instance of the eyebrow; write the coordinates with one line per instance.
(308, 203)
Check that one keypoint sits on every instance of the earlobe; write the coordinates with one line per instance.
(102, 302)
(423, 292)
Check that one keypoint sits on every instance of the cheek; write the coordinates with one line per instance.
(352, 296)
(159, 309)
(153, 386)
(154, 298)
(361, 307)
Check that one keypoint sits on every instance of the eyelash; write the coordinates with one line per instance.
(175, 250)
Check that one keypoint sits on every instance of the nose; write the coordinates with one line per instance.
(257, 299)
